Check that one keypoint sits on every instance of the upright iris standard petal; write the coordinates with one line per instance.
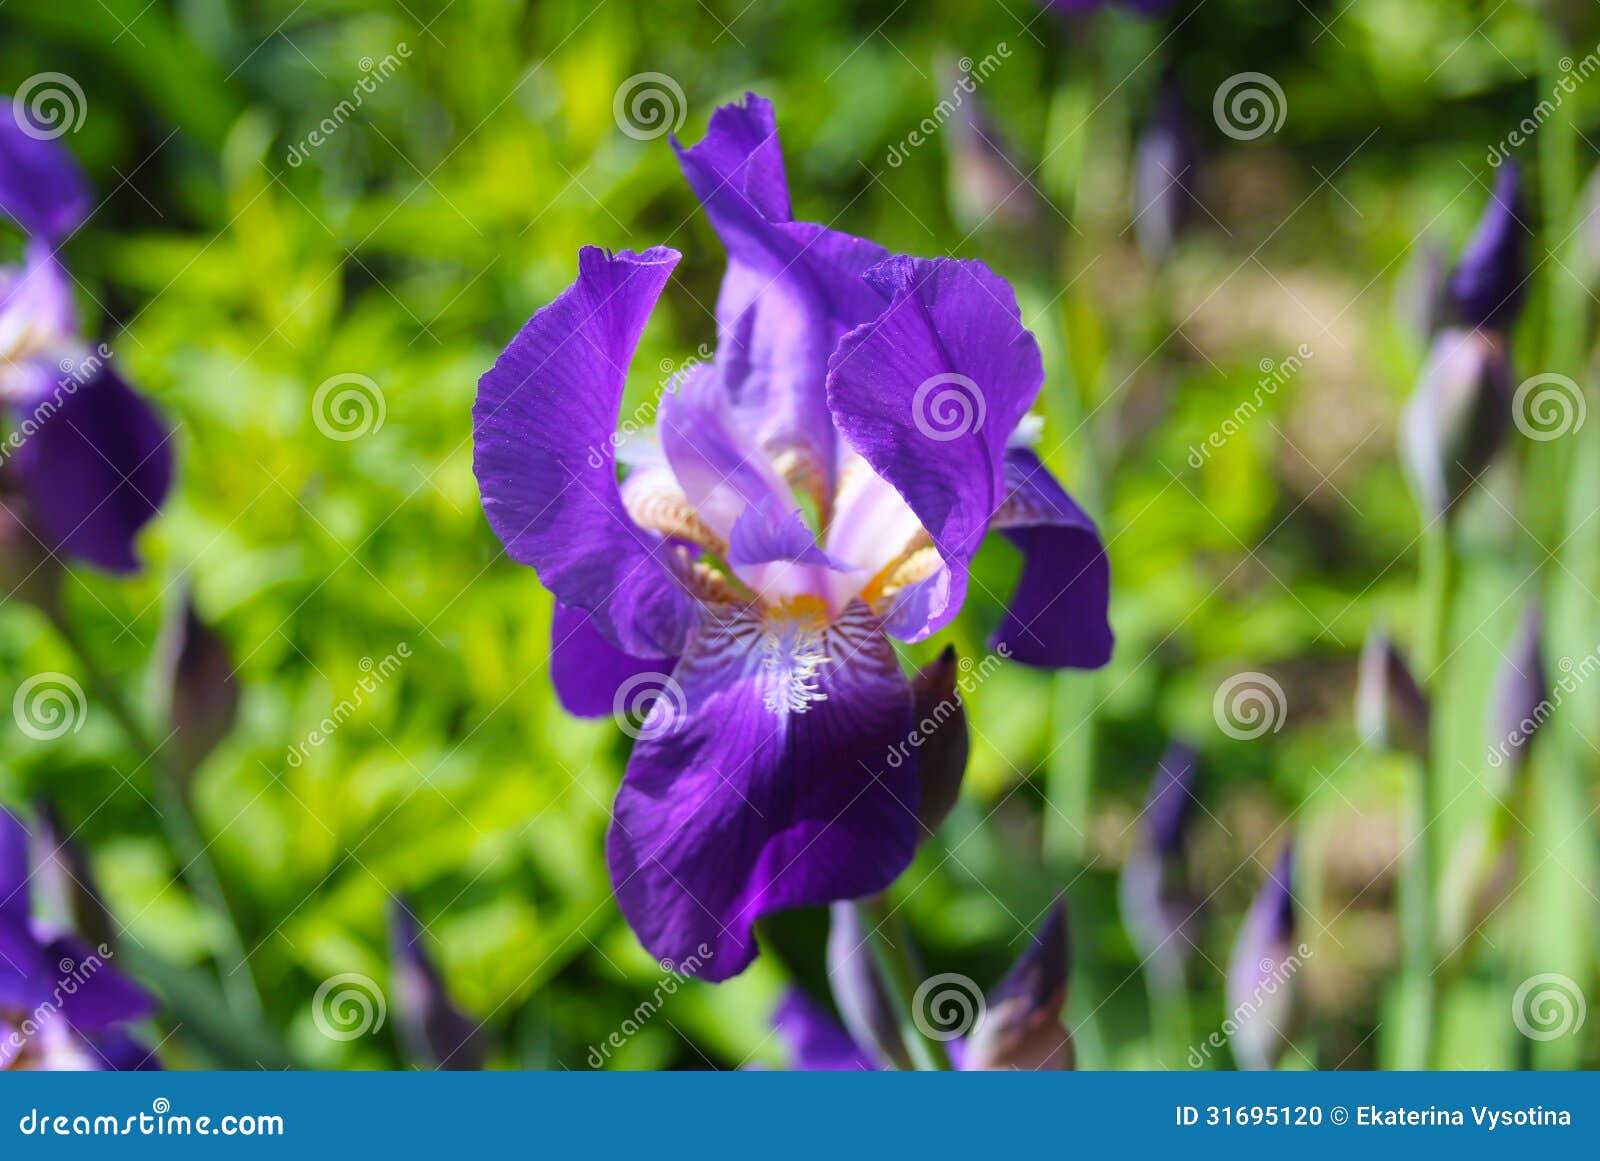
(1057, 616)
(96, 468)
(766, 786)
(815, 1041)
(545, 457)
(928, 394)
(791, 290)
(593, 678)
(1488, 284)
(42, 189)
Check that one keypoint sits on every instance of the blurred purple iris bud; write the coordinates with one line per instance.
(1159, 906)
(1391, 709)
(1261, 974)
(1457, 419)
(64, 891)
(1521, 701)
(991, 188)
(1021, 1027)
(1486, 287)
(1422, 302)
(1164, 174)
(943, 738)
(196, 684)
(436, 1034)
(858, 990)
(63, 1006)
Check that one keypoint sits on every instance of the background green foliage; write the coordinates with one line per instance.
(411, 246)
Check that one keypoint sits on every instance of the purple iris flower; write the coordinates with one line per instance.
(817, 489)
(1159, 904)
(62, 1006)
(1260, 984)
(88, 461)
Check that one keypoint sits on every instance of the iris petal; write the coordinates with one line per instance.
(589, 673)
(545, 456)
(41, 187)
(791, 290)
(766, 786)
(96, 468)
(1057, 616)
(928, 393)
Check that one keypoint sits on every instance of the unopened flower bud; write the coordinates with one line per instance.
(436, 1033)
(1164, 174)
(1260, 974)
(1521, 700)
(197, 684)
(1021, 1027)
(64, 891)
(1487, 286)
(858, 991)
(1457, 419)
(1391, 709)
(1159, 906)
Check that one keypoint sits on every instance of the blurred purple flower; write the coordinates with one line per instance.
(196, 683)
(1018, 1026)
(62, 1006)
(1521, 701)
(436, 1034)
(1391, 709)
(92, 461)
(1164, 176)
(1488, 284)
(1260, 975)
(1457, 419)
(883, 390)
(1159, 905)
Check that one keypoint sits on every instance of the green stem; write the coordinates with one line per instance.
(1170, 1024)
(237, 982)
(892, 950)
(1419, 888)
